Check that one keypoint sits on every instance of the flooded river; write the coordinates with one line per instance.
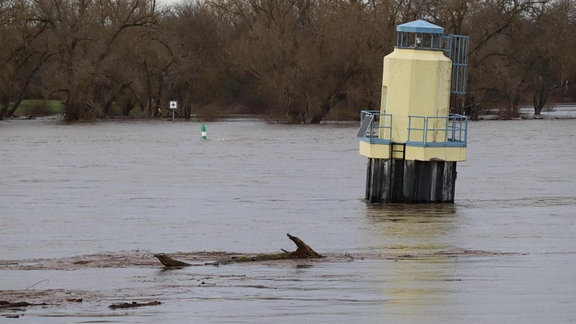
(71, 195)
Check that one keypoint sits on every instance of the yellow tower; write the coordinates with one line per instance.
(413, 142)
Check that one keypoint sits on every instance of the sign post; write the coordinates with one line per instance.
(173, 106)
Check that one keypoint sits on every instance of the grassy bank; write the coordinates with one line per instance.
(39, 107)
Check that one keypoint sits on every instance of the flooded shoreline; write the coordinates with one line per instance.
(129, 270)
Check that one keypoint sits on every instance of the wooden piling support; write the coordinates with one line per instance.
(407, 181)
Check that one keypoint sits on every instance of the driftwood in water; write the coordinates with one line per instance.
(169, 262)
(303, 251)
(8, 305)
(134, 304)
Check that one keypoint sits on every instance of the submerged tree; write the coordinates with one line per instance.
(23, 52)
(552, 62)
(301, 61)
(85, 33)
(309, 56)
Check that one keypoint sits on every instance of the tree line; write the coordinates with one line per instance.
(300, 61)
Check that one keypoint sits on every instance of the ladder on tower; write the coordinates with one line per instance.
(398, 151)
(396, 169)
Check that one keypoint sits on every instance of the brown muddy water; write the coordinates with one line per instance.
(84, 207)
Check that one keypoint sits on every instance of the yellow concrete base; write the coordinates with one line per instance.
(380, 151)
(414, 153)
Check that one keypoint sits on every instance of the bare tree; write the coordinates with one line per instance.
(497, 62)
(23, 52)
(85, 33)
(303, 60)
(200, 74)
(551, 62)
(308, 55)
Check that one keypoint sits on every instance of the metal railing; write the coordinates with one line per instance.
(456, 49)
(376, 128)
(438, 131)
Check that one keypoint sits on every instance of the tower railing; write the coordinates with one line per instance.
(438, 131)
(375, 127)
(446, 131)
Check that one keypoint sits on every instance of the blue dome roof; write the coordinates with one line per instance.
(420, 26)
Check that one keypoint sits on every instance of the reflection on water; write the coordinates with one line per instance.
(504, 252)
(414, 228)
(414, 234)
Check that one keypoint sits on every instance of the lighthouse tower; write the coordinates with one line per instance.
(413, 143)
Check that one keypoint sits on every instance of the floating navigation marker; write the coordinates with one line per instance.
(203, 129)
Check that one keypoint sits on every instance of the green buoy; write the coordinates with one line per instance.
(203, 128)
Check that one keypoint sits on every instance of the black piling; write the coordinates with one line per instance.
(406, 181)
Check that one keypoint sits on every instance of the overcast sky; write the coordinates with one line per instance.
(168, 1)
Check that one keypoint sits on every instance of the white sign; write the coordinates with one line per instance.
(173, 104)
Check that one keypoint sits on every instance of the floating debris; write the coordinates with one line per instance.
(134, 304)
(8, 305)
(303, 251)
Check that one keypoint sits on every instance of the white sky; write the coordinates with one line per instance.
(168, 2)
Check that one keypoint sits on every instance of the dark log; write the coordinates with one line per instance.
(169, 262)
(8, 305)
(303, 251)
(134, 304)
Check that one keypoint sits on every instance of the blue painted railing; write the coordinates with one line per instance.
(380, 129)
(448, 131)
(438, 131)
